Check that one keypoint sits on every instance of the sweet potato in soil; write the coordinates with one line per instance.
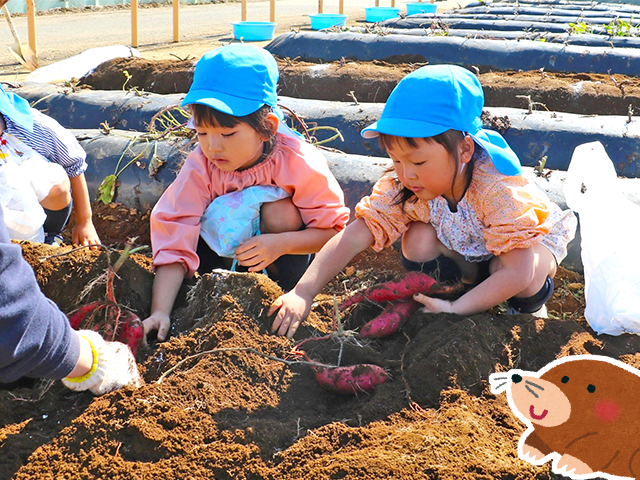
(233, 414)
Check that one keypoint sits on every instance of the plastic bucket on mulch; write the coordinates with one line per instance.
(253, 31)
(327, 20)
(421, 7)
(380, 14)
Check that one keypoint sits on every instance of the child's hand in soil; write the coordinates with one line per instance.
(113, 367)
(84, 233)
(433, 305)
(260, 251)
(292, 310)
(157, 321)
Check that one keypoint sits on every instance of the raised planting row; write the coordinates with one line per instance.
(560, 5)
(604, 19)
(535, 136)
(470, 52)
(601, 24)
(435, 29)
(371, 82)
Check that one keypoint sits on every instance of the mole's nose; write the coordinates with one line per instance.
(515, 378)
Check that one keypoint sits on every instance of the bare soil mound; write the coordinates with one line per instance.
(226, 399)
(348, 81)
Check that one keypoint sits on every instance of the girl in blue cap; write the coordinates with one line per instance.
(253, 194)
(30, 139)
(459, 201)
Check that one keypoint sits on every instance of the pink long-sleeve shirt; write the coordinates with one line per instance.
(294, 165)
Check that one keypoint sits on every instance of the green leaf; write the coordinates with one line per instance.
(107, 189)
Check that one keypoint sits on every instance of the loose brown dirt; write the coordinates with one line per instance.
(219, 404)
(582, 93)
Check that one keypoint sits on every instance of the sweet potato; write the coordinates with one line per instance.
(115, 323)
(110, 319)
(131, 331)
(351, 379)
(77, 318)
(404, 287)
(390, 320)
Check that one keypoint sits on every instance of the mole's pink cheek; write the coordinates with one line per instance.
(607, 410)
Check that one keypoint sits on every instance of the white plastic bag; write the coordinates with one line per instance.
(23, 214)
(26, 178)
(610, 229)
(42, 174)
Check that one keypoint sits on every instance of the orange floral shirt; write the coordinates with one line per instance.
(497, 214)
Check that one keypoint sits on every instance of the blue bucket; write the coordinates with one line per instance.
(327, 20)
(421, 7)
(253, 31)
(378, 14)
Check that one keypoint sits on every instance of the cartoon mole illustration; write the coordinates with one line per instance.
(582, 411)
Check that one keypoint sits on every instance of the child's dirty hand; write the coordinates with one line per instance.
(84, 233)
(292, 310)
(433, 305)
(157, 321)
(259, 252)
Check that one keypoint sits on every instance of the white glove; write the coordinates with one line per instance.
(113, 367)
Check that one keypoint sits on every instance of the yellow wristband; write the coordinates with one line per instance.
(94, 365)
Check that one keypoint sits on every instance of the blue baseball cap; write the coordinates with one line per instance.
(236, 79)
(16, 108)
(437, 98)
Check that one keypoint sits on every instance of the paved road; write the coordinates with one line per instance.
(202, 27)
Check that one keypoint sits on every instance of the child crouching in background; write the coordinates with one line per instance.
(54, 163)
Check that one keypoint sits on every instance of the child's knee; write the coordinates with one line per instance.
(420, 242)
(59, 196)
(534, 278)
(280, 216)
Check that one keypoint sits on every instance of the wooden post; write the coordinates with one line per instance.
(134, 23)
(176, 20)
(31, 25)
(320, 6)
(377, 3)
(243, 11)
(341, 7)
(393, 3)
(272, 11)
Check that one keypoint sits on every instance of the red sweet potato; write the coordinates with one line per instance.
(406, 286)
(78, 317)
(351, 379)
(114, 324)
(390, 320)
(131, 331)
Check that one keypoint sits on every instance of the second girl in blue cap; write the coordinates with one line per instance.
(459, 201)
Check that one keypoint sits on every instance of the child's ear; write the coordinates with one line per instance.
(466, 147)
(273, 121)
